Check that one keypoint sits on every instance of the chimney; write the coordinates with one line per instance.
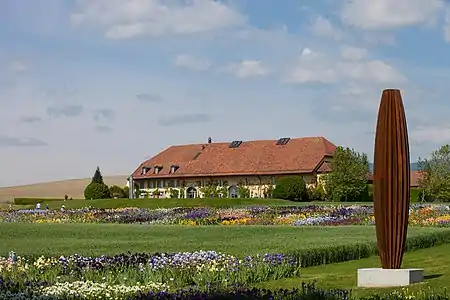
(209, 140)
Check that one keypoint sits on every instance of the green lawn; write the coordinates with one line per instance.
(435, 261)
(97, 239)
(168, 203)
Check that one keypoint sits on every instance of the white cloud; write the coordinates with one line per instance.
(123, 19)
(17, 67)
(189, 62)
(246, 69)
(439, 134)
(353, 53)
(388, 14)
(322, 27)
(314, 67)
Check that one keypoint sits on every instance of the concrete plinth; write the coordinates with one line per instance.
(378, 277)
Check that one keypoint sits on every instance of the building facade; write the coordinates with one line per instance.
(230, 169)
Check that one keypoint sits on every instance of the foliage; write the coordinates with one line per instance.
(96, 190)
(117, 192)
(342, 253)
(126, 192)
(435, 174)
(174, 193)
(243, 191)
(316, 193)
(156, 193)
(291, 188)
(269, 191)
(33, 201)
(348, 181)
(210, 190)
(98, 178)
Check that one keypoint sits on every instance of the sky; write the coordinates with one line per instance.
(110, 83)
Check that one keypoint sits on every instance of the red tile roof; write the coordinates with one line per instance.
(415, 176)
(299, 155)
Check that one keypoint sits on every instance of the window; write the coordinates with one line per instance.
(173, 168)
(235, 144)
(199, 183)
(175, 183)
(246, 181)
(151, 184)
(161, 184)
(169, 183)
(144, 170)
(157, 169)
(283, 141)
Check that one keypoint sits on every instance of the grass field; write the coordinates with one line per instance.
(169, 203)
(57, 189)
(97, 239)
(435, 261)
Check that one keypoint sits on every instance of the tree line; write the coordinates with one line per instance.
(97, 189)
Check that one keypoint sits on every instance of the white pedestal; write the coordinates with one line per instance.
(378, 277)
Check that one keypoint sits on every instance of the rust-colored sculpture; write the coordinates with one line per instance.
(391, 179)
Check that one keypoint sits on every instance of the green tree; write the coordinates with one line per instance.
(98, 178)
(348, 180)
(96, 190)
(243, 191)
(126, 192)
(316, 193)
(435, 175)
(117, 192)
(291, 188)
(209, 190)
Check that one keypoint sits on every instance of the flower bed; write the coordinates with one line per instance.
(158, 271)
(420, 215)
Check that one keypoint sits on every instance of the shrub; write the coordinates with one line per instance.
(96, 190)
(33, 201)
(117, 192)
(342, 253)
(174, 193)
(126, 192)
(316, 193)
(291, 188)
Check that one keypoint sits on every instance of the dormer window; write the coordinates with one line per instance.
(157, 169)
(173, 169)
(145, 170)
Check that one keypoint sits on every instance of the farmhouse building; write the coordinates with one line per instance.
(186, 170)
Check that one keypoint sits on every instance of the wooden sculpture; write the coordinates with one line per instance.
(391, 179)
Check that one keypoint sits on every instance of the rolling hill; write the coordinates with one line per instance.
(56, 189)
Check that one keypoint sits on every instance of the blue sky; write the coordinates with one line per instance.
(111, 82)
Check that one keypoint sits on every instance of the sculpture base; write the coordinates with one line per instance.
(378, 277)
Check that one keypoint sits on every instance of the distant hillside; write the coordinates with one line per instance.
(414, 166)
(57, 189)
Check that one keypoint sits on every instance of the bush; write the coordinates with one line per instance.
(126, 192)
(117, 192)
(342, 253)
(291, 188)
(174, 193)
(96, 190)
(316, 193)
(34, 201)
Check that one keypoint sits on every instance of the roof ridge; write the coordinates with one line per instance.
(249, 141)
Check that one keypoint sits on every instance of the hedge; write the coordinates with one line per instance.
(29, 201)
(342, 253)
